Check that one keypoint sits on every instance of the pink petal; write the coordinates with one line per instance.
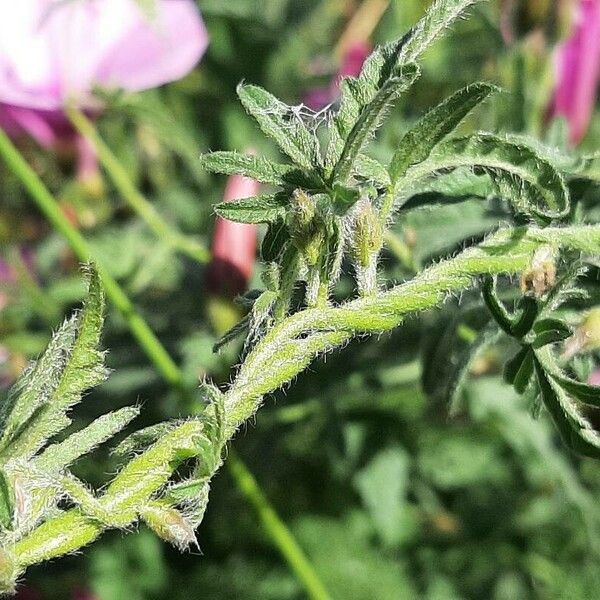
(353, 59)
(154, 53)
(234, 244)
(51, 50)
(578, 71)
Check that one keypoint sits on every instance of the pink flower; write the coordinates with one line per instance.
(56, 51)
(578, 71)
(234, 245)
(352, 62)
(594, 378)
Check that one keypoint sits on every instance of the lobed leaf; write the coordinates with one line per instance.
(267, 208)
(531, 184)
(256, 167)
(72, 365)
(282, 124)
(418, 143)
(370, 119)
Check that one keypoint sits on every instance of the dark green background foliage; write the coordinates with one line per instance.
(390, 496)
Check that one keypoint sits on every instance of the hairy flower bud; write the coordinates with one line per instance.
(8, 570)
(306, 227)
(368, 233)
(169, 524)
(541, 276)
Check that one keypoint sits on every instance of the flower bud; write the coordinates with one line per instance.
(8, 571)
(306, 227)
(169, 524)
(368, 233)
(541, 276)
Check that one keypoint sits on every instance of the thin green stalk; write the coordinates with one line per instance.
(50, 208)
(148, 341)
(249, 486)
(132, 195)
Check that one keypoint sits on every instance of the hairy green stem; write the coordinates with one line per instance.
(290, 346)
(131, 194)
(85, 530)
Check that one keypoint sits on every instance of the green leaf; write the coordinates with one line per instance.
(143, 438)
(588, 394)
(430, 130)
(529, 310)
(266, 208)
(550, 331)
(370, 119)
(58, 456)
(455, 187)
(240, 328)
(369, 169)
(520, 176)
(439, 17)
(502, 317)
(71, 365)
(344, 198)
(380, 64)
(255, 167)
(585, 393)
(519, 369)
(575, 430)
(280, 122)
(566, 287)
(567, 161)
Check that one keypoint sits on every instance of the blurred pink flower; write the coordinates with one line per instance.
(56, 51)
(578, 71)
(594, 378)
(234, 245)
(352, 62)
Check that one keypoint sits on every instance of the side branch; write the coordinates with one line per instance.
(290, 347)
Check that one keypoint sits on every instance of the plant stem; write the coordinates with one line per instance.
(249, 486)
(49, 206)
(131, 194)
(151, 345)
(290, 346)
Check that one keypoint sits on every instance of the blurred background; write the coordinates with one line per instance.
(389, 496)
